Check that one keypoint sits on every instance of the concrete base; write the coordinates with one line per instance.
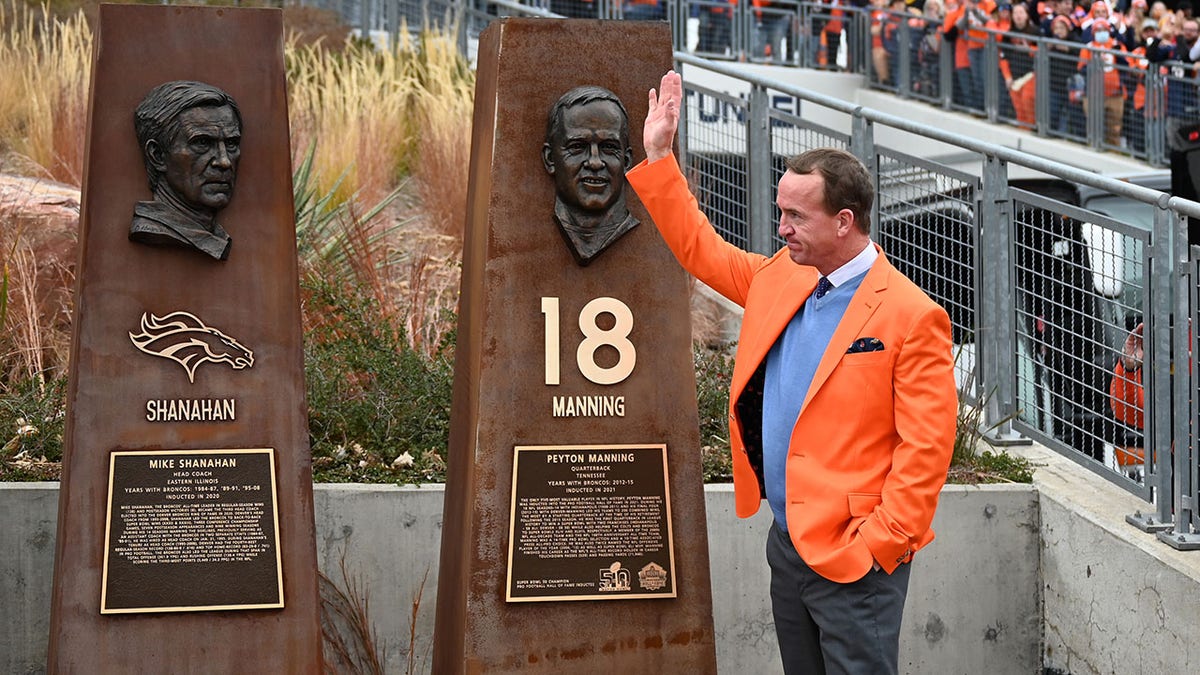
(973, 605)
(26, 574)
(1020, 578)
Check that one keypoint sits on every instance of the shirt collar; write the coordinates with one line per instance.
(858, 265)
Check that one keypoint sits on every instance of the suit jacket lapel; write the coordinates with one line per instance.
(790, 294)
(866, 300)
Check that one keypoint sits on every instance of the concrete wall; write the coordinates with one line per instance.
(390, 538)
(973, 605)
(28, 519)
(1116, 599)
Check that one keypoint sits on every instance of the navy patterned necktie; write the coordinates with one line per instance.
(823, 287)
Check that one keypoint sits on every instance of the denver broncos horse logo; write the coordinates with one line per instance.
(184, 338)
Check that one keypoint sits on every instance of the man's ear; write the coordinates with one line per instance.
(154, 153)
(628, 158)
(845, 219)
(546, 153)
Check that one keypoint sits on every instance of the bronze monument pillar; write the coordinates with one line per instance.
(574, 535)
(185, 527)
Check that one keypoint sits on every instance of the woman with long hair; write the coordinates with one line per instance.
(1017, 64)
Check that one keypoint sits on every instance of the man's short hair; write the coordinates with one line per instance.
(848, 185)
(157, 116)
(581, 96)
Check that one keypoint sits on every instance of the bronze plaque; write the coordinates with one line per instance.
(573, 331)
(590, 522)
(191, 530)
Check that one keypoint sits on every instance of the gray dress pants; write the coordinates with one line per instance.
(827, 627)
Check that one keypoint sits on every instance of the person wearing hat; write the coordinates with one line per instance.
(1061, 9)
(1135, 18)
(1111, 55)
(1101, 10)
(1001, 18)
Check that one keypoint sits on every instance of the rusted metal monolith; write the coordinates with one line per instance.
(185, 532)
(574, 536)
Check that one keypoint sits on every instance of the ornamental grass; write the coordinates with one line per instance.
(43, 94)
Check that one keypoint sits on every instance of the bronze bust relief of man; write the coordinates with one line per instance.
(587, 152)
(190, 134)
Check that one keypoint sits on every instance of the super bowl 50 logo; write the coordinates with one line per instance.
(614, 578)
(188, 341)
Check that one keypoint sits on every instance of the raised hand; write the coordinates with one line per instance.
(662, 118)
(1133, 350)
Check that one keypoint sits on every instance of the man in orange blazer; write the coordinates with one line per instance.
(842, 405)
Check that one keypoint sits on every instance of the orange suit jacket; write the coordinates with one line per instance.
(870, 450)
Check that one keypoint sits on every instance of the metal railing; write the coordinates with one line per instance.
(1042, 292)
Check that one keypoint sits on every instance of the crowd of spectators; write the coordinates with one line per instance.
(1115, 41)
(1114, 44)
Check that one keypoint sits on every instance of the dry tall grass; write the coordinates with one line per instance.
(36, 277)
(442, 108)
(406, 257)
(354, 107)
(373, 114)
(377, 116)
(43, 96)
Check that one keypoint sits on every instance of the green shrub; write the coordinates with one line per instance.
(32, 412)
(379, 410)
(970, 466)
(714, 368)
